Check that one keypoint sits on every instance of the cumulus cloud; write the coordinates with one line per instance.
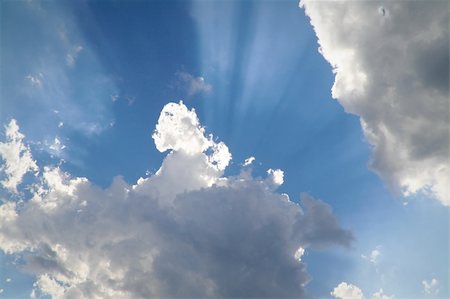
(186, 231)
(193, 85)
(16, 156)
(431, 287)
(349, 291)
(391, 65)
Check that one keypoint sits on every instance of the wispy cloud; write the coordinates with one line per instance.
(431, 287)
(191, 84)
(72, 55)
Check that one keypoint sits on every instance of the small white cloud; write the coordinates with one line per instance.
(431, 287)
(61, 124)
(193, 85)
(8, 279)
(276, 177)
(249, 161)
(36, 80)
(373, 256)
(347, 291)
(72, 55)
(1, 291)
(16, 156)
(299, 253)
(114, 97)
(57, 147)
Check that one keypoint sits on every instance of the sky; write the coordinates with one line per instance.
(224, 149)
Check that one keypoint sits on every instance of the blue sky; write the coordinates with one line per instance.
(95, 75)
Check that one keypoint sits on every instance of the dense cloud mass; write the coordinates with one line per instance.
(186, 231)
(392, 70)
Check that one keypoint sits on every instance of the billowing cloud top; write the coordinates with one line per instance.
(392, 70)
(186, 231)
(16, 156)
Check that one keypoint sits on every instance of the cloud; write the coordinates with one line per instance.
(348, 291)
(35, 80)
(186, 231)
(391, 68)
(72, 55)
(56, 147)
(374, 255)
(40, 72)
(249, 161)
(380, 295)
(16, 156)
(192, 85)
(431, 287)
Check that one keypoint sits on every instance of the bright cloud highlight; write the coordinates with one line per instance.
(16, 157)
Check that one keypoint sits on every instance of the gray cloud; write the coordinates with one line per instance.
(391, 60)
(168, 237)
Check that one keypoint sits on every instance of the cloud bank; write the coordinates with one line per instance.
(187, 231)
(391, 65)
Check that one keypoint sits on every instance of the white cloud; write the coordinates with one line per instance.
(8, 279)
(431, 287)
(275, 177)
(299, 254)
(349, 291)
(391, 68)
(36, 80)
(374, 255)
(56, 146)
(192, 85)
(249, 161)
(16, 157)
(173, 234)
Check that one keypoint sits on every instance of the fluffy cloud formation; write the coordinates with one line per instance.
(192, 85)
(16, 157)
(348, 291)
(391, 65)
(186, 231)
